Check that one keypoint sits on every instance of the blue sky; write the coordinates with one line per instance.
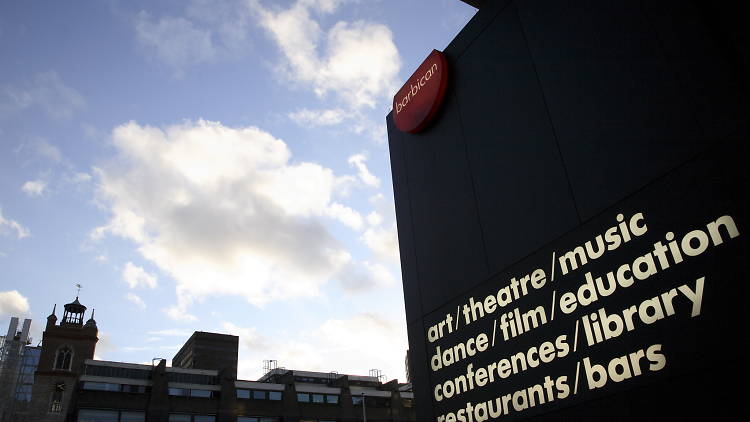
(210, 165)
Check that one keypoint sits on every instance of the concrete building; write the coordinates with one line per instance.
(18, 362)
(201, 386)
(208, 350)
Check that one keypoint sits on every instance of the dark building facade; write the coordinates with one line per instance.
(133, 392)
(18, 362)
(65, 348)
(69, 385)
(207, 351)
(572, 227)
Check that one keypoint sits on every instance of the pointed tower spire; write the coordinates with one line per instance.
(52, 318)
(91, 323)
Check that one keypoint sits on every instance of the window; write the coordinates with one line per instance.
(192, 378)
(57, 396)
(315, 398)
(357, 400)
(55, 406)
(63, 359)
(256, 419)
(97, 415)
(118, 372)
(200, 393)
(258, 394)
(100, 386)
(105, 386)
(134, 388)
(190, 392)
(132, 417)
(177, 417)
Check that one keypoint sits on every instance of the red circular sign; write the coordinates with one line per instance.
(417, 102)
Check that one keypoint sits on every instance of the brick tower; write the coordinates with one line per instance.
(65, 346)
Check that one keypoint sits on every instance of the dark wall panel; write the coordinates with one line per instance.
(449, 251)
(407, 251)
(418, 354)
(522, 192)
(621, 116)
(692, 45)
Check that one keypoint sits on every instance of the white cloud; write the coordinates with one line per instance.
(135, 349)
(47, 150)
(228, 20)
(81, 177)
(365, 276)
(13, 303)
(356, 344)
(179, 313)
(171, 332)
(346, 215)
(45, 90)
(210, 30)
(105, 346)
(359, 162)
(34, 187)
(8, 224)
(378, 198)
(313, 118)
(223, 211)
(383, 242)
(136, 276)
(249, 336)
(358, 62)
(374, 219)
(175, 41)
(136, 300)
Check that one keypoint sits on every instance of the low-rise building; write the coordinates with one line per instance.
(18, 362)
(202, 386)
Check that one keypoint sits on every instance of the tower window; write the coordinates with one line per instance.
(63, 359)
(56, 400)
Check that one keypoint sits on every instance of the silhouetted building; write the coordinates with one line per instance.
(65, 348)
(554, 148)
(202, 386)
(18, 361)
(208, 351)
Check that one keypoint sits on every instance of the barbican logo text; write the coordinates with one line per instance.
(418, 101)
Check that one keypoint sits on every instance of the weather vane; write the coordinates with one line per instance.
(78, 287)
